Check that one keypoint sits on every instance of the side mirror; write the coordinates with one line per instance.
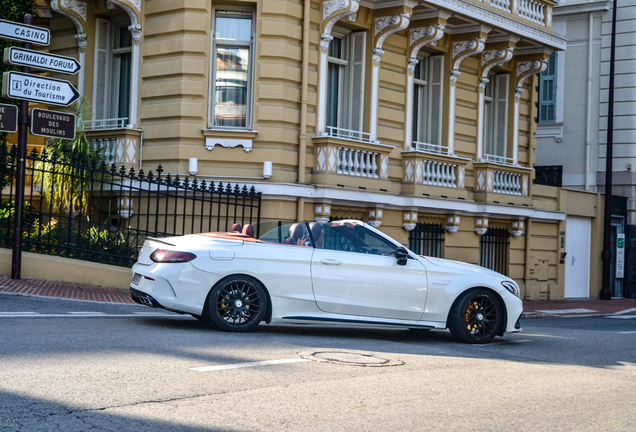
(402, 255)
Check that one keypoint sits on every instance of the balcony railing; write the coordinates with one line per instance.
(439, 174)
(501, 4)
(430, 148)
(357, 162)
(532, 11)
(103, 124)
(499, 160)
(507, 183)
(350, 134)
(120, 146)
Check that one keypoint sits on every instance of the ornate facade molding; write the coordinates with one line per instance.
(490, 59)
(334, 10)
(135, 27)
(76, 12)
(526, 69)
(388, 25)
(462, 50)
(420, 37)
(509, 25)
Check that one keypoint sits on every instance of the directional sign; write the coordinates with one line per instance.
(8, 118)
(52, 124)
(17, 85)
(56, 63)
(24, 32)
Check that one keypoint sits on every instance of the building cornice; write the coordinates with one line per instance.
(581, 8)
(494, 19)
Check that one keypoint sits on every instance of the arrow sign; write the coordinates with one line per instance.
(24, 33)
(17, 85)
(56, 63)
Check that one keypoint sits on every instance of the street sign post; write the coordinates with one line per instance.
(52, 124)
(17, 85)
(8, 118)
(56, 63)
(24, 32)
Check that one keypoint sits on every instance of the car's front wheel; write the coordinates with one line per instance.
(476, 317)
(237, 304)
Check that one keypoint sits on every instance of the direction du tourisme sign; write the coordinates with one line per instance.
(17, 85)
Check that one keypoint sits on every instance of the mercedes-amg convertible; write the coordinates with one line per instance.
(343, 272)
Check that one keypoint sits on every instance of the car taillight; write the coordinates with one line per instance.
(168, 256)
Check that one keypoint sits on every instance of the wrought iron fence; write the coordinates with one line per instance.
(493, 249)
(427, 239)
(103, 213)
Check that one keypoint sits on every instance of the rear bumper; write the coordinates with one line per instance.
(144, 299)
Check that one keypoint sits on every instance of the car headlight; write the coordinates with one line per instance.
(512, 287)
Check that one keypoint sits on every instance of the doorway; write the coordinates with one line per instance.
(577, 258)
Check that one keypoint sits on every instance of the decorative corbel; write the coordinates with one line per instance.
(322, 212)
(76, 12)
(526, 69)
(490, 59)
(463, 50)
(481, 226)
(375, 216)
(452, 224)
(410, 221)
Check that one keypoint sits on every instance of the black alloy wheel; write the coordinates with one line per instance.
(476, 317)
(237, 304)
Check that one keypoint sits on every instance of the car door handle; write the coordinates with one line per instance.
(330, 262)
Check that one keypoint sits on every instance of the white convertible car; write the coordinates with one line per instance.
(342, 272)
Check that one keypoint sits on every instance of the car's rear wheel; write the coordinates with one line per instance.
(476, 317)
(237, 304)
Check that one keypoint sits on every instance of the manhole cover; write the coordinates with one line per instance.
(353, 358)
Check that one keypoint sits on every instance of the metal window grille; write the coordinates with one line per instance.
(106, 212)
(548, 175)
(493, 249)
(427, 239)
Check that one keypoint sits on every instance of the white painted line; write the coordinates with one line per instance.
(89, 315)
(626, 311)
(627, 332)
(567, 311)
(246, 365)
(621, 316)
(20, 313)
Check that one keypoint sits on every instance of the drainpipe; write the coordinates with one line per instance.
(302, 137)
(588, 123)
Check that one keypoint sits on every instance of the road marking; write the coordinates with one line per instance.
(246, 365)
(621, 316)
(627, 332)
(567, 311)
(91, 315)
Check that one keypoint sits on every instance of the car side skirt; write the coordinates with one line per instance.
(339, 319)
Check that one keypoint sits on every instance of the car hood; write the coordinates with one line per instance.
(462, 267)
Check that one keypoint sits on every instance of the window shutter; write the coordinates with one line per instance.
(101, 68)
(547, 92)
(501, 114)
(356, 81)
(435, 111)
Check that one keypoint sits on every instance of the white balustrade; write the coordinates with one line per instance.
(532, 11)
(439, 174)
(501, 4)
(355, 162)
(507, 183)
(109, 146)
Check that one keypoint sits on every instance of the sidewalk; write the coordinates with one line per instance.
(582, 307)
(47, 288)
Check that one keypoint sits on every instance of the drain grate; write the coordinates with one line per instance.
(352, 358)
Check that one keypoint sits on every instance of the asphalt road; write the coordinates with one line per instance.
(80, 366)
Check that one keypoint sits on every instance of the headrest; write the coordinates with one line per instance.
(296, 231)
(248, 230)
(316, 230)
(236, 227)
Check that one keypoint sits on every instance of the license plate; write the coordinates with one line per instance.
(136, 278)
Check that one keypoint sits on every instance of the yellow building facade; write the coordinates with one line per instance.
(405, 114)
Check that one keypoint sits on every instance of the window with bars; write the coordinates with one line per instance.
(232, 70)
(427, 100)
(548, 175)
(345, 81)
(427, 239)
(548, 92)
(493, 249)
(496, 115)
